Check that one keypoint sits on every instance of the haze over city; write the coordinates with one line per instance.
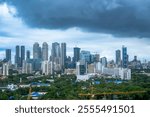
(101, 26)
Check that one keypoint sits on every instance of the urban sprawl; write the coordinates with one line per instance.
(83, 63)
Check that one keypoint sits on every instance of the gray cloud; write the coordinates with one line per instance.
(118, 17)
(1, 1)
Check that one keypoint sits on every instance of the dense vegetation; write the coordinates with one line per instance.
(66, 87)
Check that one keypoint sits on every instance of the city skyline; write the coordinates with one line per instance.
(32, 54)
(58, 62)
(59, 51)
(19, 27)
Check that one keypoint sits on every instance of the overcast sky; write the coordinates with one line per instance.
(101, 26)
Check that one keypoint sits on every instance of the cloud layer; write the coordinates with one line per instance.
(118, 17)
(78, 23)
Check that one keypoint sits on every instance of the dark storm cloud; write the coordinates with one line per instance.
(2, 1)
(118, 17)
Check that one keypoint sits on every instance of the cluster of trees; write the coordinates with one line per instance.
(66, 87)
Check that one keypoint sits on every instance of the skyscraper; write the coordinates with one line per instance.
(22, 54)
(27, 55)
(85, 55)
(40, 53)
(8, 55)
(63, 55)
(17, 56)
(97, 57)
(56, 57)
(118, 58)
(76, 54)
(37, 57)
(104, 61)
(45, 51)
(55, 54)
(81, 68)
(36, 51)
(124, 57)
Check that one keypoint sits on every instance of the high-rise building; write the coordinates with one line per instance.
(45, 51)
(135, 64)
(135, 58)
(40, 53)
(97, 57)
(118, 58)
(17, 56)
(22, 55)
(1, 70)
(85, 55)
(125, 73)
(5, 69)
(45, 67)
(55, 54)
(63, 55)
(81, 68)
(36, 51)
(76, 54)
(69, 63)
(124, 57)
(26, 68)
(104, 61)
(37, 57)
(94, 58)
(8, 55)
(28, 55)
(56, 57)
(36, 64)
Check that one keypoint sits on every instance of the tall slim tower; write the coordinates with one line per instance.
(63, 55)
(28, 55)
(124, 57)
(55, 57)
(118, 58)
(76, 54)
(104, 61)
(22, 54)
(8, 55)
(37, 57)
(36, 51)
(45, 51)
(17, 56)
(55, 54)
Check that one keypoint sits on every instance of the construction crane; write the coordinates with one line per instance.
(112, 93)
(92, 95)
